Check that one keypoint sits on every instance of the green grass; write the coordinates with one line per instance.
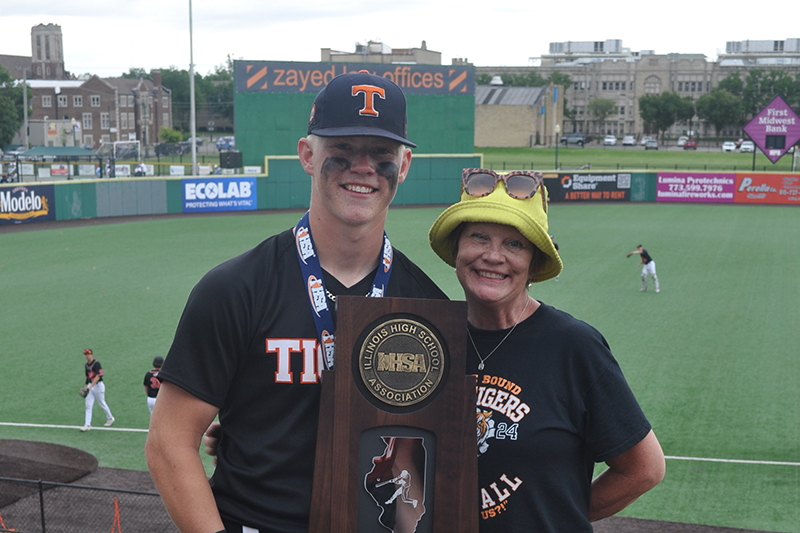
(712, 358)
(628, 158)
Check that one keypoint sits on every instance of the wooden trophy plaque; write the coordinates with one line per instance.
(396, 447)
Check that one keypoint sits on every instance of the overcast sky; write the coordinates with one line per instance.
(109, 38)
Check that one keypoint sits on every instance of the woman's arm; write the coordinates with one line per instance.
(629, 475)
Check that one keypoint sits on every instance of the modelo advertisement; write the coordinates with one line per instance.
(23, 204)
(219, 194)
(767, 189)
(695, 187)
(592, 187)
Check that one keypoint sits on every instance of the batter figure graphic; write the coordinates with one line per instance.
(403, 482)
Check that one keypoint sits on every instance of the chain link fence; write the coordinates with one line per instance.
(46, 507)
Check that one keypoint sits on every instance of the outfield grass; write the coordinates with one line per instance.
(628, 158)
(712, 358)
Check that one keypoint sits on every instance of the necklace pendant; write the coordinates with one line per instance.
(480, 365)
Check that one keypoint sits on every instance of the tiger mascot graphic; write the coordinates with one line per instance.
(485, 430)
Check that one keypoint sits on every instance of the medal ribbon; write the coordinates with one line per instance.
(315, 285)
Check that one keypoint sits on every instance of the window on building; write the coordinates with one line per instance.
(88, 140)
(130, 100)
(616, 86)
(105, 121)
(87, 121)
(123, 121)
(165, 102)
(652, 85)
(692, 87)
(605, 86)
(622, 110)
(77, 101)
(105, 139)
(575, 86)
(165, 120)
(680, 86)
(39, 48)
(62, 100)
(777, 46)
(131, 120)
(95, 101)
(47, 47)
(47, 101)
(583, 85)
(623, 85)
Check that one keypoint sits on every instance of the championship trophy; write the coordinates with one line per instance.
(396, 446)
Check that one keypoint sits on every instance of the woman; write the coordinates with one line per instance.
(552, 401)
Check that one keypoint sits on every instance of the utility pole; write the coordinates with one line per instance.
(192, 114)
(25, 107)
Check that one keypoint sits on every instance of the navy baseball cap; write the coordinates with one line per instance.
(360, 104)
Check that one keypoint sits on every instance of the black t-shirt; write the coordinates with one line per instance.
(646, 257)
(552, 401)
(246, 342)
(152, 383)
(93, 369)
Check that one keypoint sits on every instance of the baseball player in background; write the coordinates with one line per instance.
(256, 328)
(95, 390)
(152, 383)
(648, 267)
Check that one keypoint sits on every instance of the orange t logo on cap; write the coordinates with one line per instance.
(369, 98)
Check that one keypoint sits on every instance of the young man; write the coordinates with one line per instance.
(97, 390)
(648, 267)
(151, 382)
(248, 346)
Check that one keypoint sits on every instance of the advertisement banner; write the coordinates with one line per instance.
(219, 194)
(767, 189)
(27, 204)
(593, 187)
(59, 169)
(695, 187)
(300, 77)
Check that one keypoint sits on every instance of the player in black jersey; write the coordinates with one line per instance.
(151, 382)
(248, 343)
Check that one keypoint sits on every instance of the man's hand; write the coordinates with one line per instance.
(211, 439)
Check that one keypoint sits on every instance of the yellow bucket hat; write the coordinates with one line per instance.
(529, 216)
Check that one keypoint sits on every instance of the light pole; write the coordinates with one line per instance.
(192, 114)
(558, 130)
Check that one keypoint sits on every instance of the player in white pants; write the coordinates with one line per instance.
(97, 390)
(648, 267)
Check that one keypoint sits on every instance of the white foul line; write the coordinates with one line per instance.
(738, 461)
(673, 457)
(94, 428)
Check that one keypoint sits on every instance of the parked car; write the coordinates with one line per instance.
(728, 146)
(747, 146)
(682, 140)
(226, 143)
(645, 139)
(576, 138)
(690, 144)
(164, 149)
(651, 144)
(609, 140)
(11, 151)
(738, 143)
(628, 140)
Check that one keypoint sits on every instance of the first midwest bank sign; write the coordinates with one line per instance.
(298, 77)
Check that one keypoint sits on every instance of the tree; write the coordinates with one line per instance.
(560, 79)
(720, 108)
(733, 84)
(661, 111)
(11, 108)
(761, 87)
(169, 135)
(600, 109)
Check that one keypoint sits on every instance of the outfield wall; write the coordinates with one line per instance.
(433, 179)
(704, 187)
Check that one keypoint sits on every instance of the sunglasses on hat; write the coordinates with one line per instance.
(520, 184)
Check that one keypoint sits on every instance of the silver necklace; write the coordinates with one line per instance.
(483, 359)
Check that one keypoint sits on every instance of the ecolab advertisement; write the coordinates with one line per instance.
(27, 204)
(767, 189)
(219, 194)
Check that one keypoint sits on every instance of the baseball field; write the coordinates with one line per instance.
(713, 358)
